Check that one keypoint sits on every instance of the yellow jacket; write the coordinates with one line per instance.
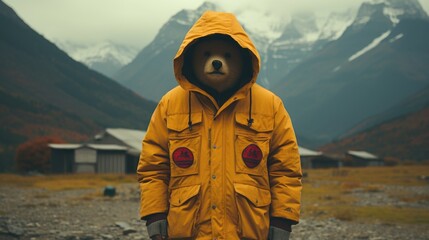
(220, 177)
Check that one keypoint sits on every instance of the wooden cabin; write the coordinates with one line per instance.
(115, 150)
(362, 159)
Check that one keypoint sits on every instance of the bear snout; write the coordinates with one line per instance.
(217, 64)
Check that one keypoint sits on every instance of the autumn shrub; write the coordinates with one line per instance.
(34, 154)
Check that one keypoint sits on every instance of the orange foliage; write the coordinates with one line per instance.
(34, 154)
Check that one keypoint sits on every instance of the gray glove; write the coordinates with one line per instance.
(158, 228)
(278, 234)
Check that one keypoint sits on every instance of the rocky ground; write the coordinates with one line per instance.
(33, 213)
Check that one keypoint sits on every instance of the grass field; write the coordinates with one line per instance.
(336, 193)
(66, 182)
(327, 192)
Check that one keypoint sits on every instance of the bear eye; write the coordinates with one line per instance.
(207, 54)
(227, 55)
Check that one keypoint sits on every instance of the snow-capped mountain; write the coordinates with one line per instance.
(105, 57)
(262, 25)
(332, 73)
(263, 28)
(305, 34)
(283, 42)
(44, 92)
(378, 61)
(391, 10)
(151, 72)
(336, 24)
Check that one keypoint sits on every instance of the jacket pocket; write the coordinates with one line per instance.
(184, 144)
(184, 155)
(178, 124)
(184, 211)
(252, 144)
(251, 155)
(253, 206)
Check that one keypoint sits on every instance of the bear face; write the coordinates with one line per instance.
(217, 63)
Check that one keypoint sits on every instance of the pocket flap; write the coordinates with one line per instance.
(258, 196)
(181, 195)
(261, 123)
(179, 122)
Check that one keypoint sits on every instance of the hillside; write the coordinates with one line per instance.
(282, 45)
(105, 57)
(405, 137)
(332, 74)
(151, 72)
(410, 105)
(378, 62)
(400, 132)
(45, 92)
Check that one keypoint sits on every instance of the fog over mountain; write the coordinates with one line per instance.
(340, 69)
(281, 44)
(104, 57)
(44, 92)
(332, 72)
(380, 60)
(135, 23)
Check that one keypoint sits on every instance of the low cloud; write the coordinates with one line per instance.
(136, 22)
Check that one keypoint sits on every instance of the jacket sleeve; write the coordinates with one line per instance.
(153, 169)
(284, 167)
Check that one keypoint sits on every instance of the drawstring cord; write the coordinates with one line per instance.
(189, 117)
(250, 120)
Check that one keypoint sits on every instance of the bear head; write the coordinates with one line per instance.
(217, 64)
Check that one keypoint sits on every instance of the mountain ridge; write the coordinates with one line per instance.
(105, 57)
(404, 137)
(46, 92)
(141, 73)
(344, 87)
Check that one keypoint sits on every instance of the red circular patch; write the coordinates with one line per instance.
(252, 155)
(183, 157)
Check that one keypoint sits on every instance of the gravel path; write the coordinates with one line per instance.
(85, 214)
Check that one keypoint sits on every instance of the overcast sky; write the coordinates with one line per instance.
(136, 22)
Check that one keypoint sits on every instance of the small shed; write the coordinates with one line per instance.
(307, 157)
(362, 159)
(62, 157)
(130, 138)
(314, 159)
(88, 158)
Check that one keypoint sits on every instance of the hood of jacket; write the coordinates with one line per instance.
(215, 23)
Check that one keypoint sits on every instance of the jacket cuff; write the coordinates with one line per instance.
(278, 234)
(157, 228)
(155, 217)
(282, 223)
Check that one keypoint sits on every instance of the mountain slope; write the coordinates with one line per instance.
(412, 104)
(405, 137)
(105, 57)
(401, 132)
(301, 38)
(151, 72)
(43, 91)
(281, 44)
(379, 61)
